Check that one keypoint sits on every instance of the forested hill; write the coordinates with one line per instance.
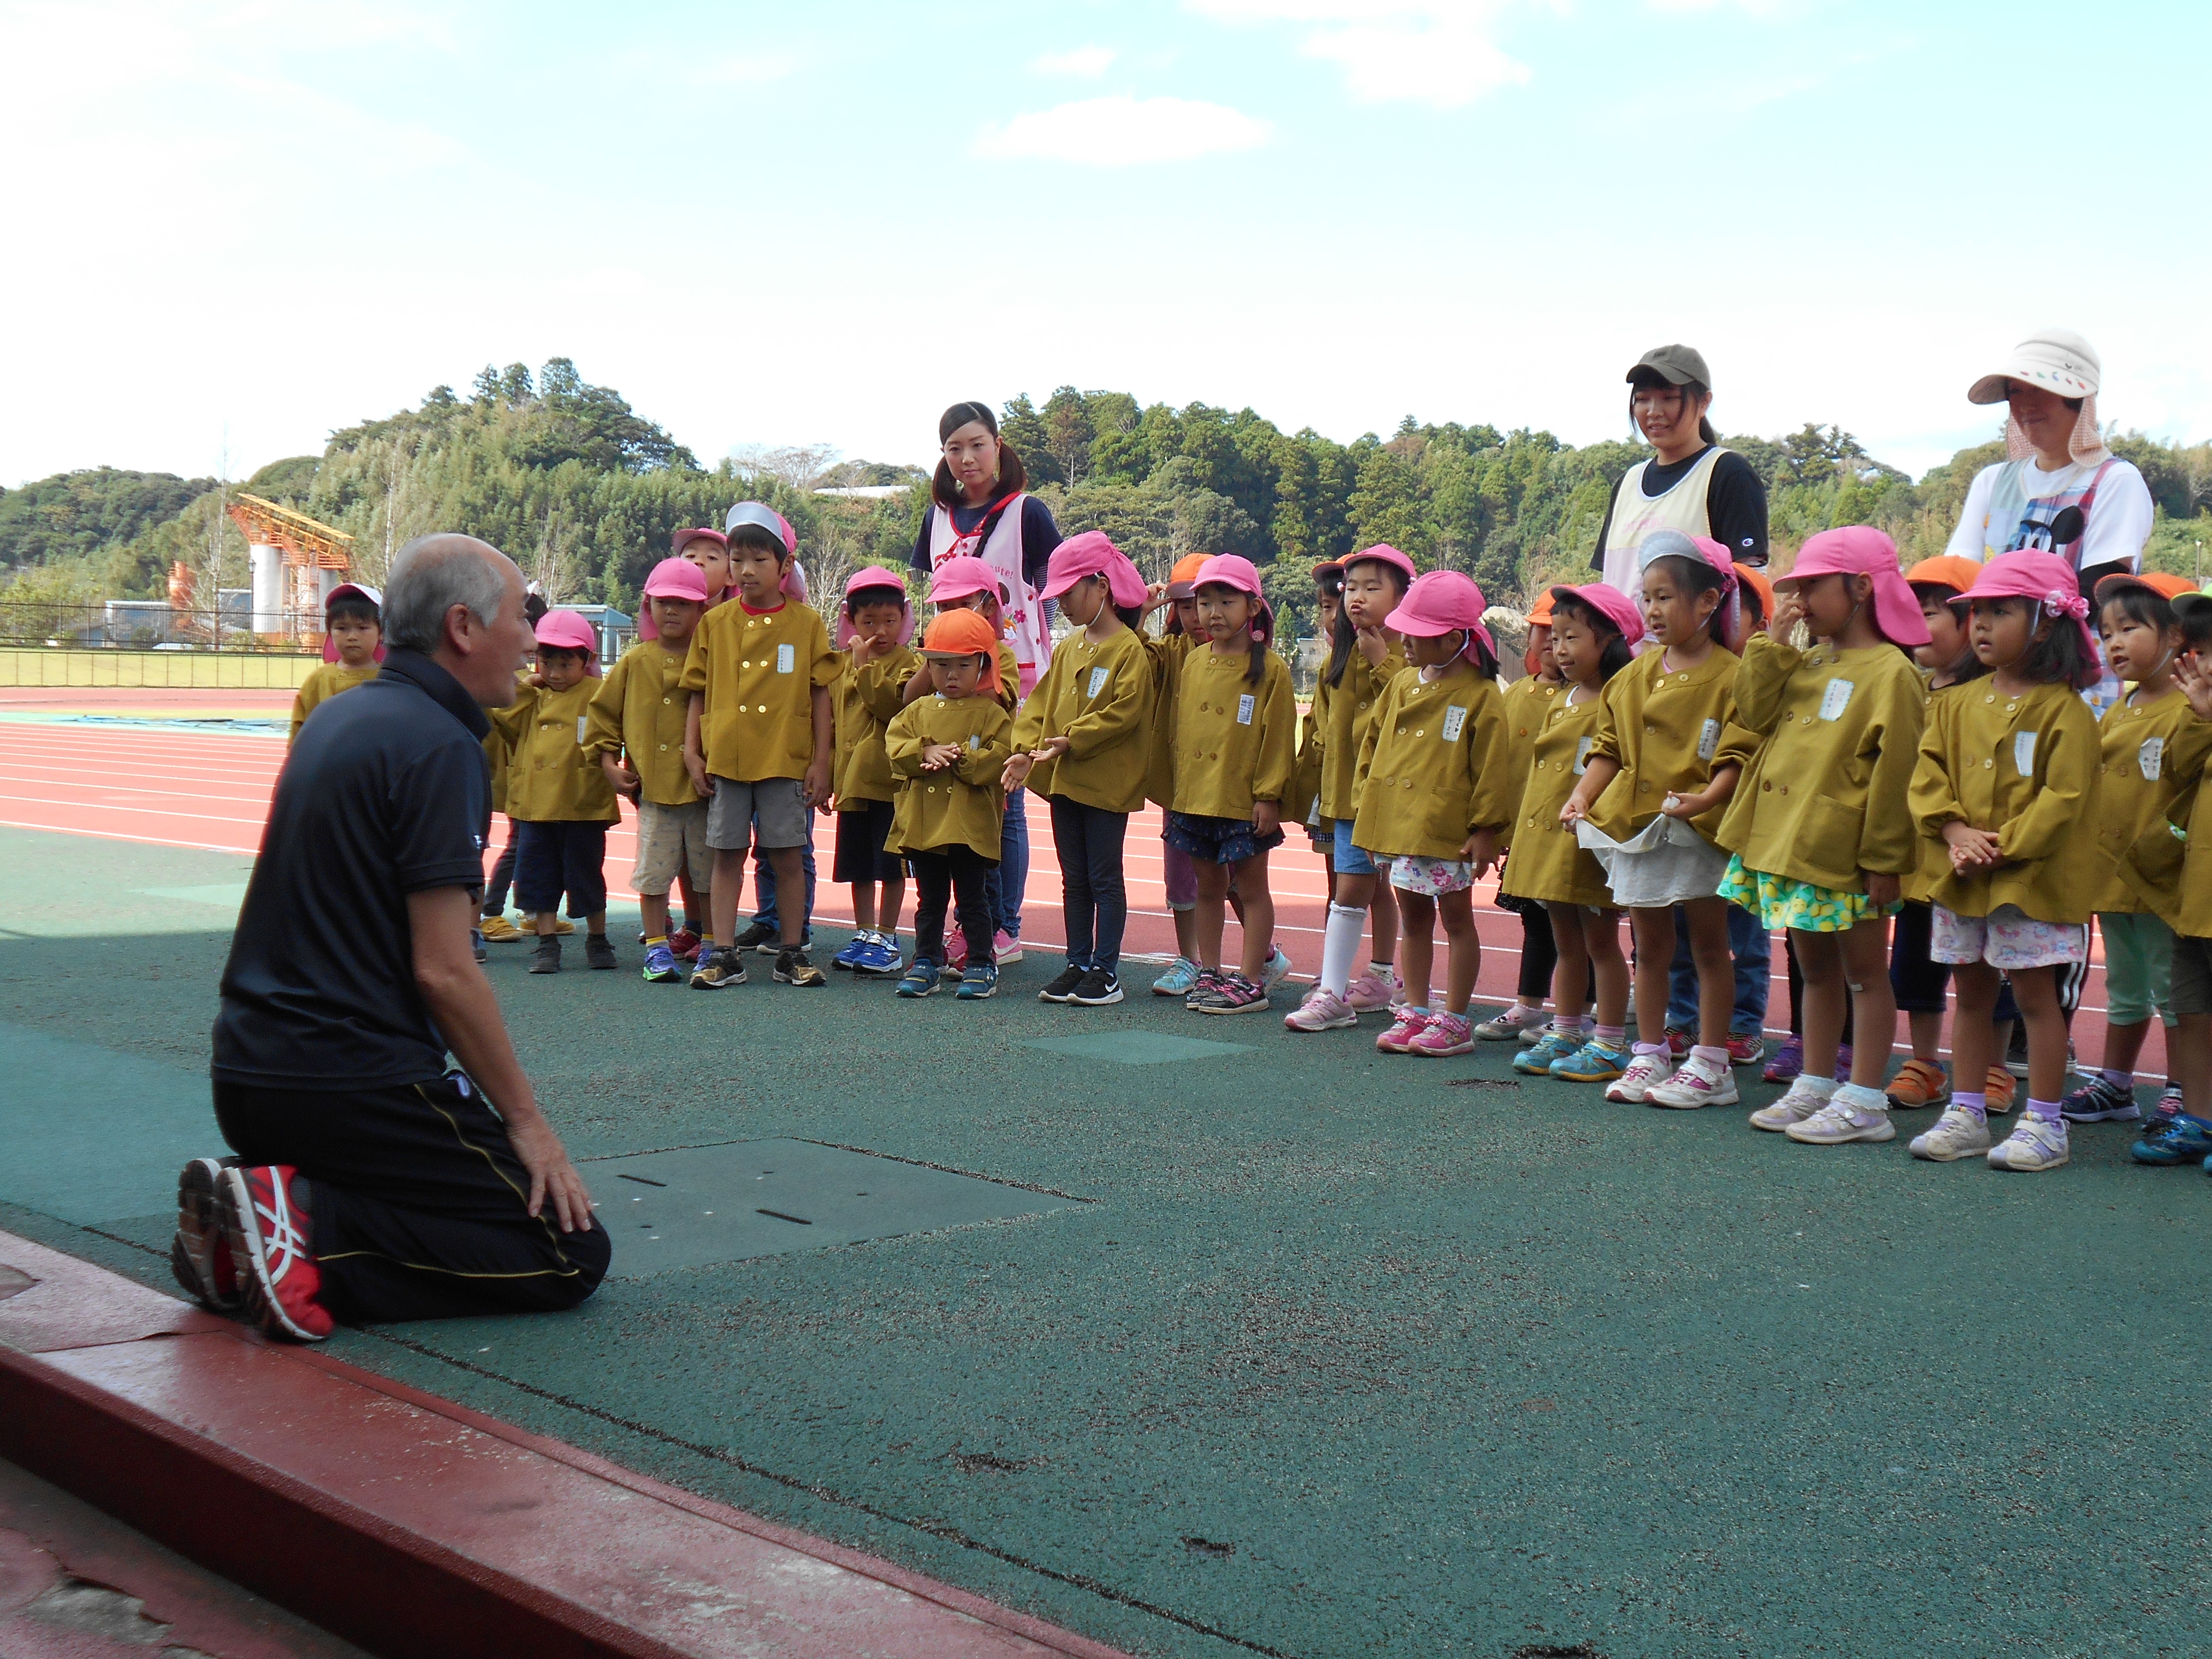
(584, 491)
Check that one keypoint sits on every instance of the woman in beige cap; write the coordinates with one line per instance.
(2055, 460)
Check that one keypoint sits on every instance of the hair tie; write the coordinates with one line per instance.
(2060, 602)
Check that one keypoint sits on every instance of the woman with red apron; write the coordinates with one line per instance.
(978, 506)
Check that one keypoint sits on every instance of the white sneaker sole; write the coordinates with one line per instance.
(1763, 1119)
(199, 1225)
(1944, 1153)
(1872, 1132)
(2010, 1168)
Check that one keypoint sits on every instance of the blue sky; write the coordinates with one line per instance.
(235, 226)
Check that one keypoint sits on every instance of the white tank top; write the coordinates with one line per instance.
(1025, 623)
(1635, 518)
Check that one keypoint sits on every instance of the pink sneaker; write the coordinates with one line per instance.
(1324, 1011)
(1409, 1025)
(1444, 1034)
(1005, 949)
(1374, 990)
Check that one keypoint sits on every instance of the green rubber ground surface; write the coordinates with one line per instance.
(1340, 1359)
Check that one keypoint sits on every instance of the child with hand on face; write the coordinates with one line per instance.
(1661, 770)
(558, 797)
(353, 634)
(1439, 789)
(2007, 785)
(1820, 829)
(1594, 628)
(1234, 743)
(2182, 897)
(637, 719)
(967, 583)
(948, 750)
(757, 741)
(880, 668)
(2153, 752)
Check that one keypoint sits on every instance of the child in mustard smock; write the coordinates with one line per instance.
(1820, 831)
(2184, 897)
(1665, 763)
(948, 751)
(1530, 703)
(874, 625)
(1439, 788)
(557, 796)
(2006, 782)
(353, 627)
(1594, 629)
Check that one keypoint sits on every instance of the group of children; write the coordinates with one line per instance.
(1852, 747)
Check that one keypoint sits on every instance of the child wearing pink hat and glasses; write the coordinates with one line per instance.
(1234, 737)
(2007, 786)
(1820, 832)
(1439, 789)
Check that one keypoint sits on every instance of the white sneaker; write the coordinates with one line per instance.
(1376, 989)
(1321, 1010)
(2035, 1144)
(1805, 1097)
(1835, 1123)
(1958, 1133)
(1279, 968)
(1701, 1082)
(1644, 1070)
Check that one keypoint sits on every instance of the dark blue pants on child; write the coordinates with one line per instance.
(764, 913)
(1011, 874)
(554, 858)
(1748, 944)
(1094, 905)
(502, 876)
(939, 874)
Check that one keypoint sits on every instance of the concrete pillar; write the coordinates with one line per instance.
(267, 565)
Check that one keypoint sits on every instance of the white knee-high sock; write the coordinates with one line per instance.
(1340, 944)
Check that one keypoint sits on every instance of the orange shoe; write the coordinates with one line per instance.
(1998, 1090)
(1919, 1084)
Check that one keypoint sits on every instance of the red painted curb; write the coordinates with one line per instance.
(414, 1526)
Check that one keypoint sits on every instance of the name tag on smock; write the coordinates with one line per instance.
(1832, 700)
(1454, 718)
(1708, 740)
(787, 658)
(2151, 758)
(2023, 753)
(975, 741)
(1581, 754)
(579, 727)
(1098, 682)
(1245, 709)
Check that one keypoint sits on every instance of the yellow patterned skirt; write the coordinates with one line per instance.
(1778, 902)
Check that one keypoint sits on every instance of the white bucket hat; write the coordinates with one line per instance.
(2059, 360)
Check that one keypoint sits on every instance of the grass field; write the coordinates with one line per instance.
(1308, 1351)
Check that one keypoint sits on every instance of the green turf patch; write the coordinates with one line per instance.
(1137, 1048)
(701, 1205)
(92, 1134)
(226, 894)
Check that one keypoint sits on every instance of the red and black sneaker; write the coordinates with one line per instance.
(200, 1256)
(684, 943)
(269, 1232)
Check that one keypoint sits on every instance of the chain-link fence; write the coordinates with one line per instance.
(137, 625)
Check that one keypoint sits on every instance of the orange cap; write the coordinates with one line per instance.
(2170, 587)
(1182, 581)
(963, 633)
(1945, 571)
(1756, 579)
(1540, 614)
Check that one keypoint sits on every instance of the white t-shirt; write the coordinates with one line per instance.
(2119, 519)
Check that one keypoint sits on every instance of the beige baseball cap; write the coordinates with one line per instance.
(2056, 359)
(1676, 364)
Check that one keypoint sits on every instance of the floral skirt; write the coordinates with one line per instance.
(1778, 902)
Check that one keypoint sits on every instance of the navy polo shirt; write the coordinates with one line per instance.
(386, 793)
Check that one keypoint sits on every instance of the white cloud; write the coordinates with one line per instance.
(1085, 63)
(1121, 130)
(1431, 51)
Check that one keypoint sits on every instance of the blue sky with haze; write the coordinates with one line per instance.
(246, 224)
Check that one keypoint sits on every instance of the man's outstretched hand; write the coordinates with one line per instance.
(551, 1174)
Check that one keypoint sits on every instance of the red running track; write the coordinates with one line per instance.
(211, 790)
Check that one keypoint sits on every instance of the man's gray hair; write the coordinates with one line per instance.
(429, 577)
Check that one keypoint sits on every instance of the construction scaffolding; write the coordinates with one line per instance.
(295, 561)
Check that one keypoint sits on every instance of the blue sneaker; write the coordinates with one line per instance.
(2181, 1139)
(1180, 980)
(849, 958)
(879, 957)
(660, 964)
(2100, 1100)
(1593, 1062)
(921, 979)
(1535, 1060)
(981, 979)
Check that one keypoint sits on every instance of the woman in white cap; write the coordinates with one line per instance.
(2059, 489)
(1691, 483)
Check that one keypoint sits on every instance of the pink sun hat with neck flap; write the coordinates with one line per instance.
(859, 581)
(567, 631)
(1727, 619)
(1439, 602)
(1610, 603)
(2044, 577)
(1860, 550)
(359, 589)
(1091, 554)
(1385, 553)
(672, 579)
(964, 577)
(1234, 570)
